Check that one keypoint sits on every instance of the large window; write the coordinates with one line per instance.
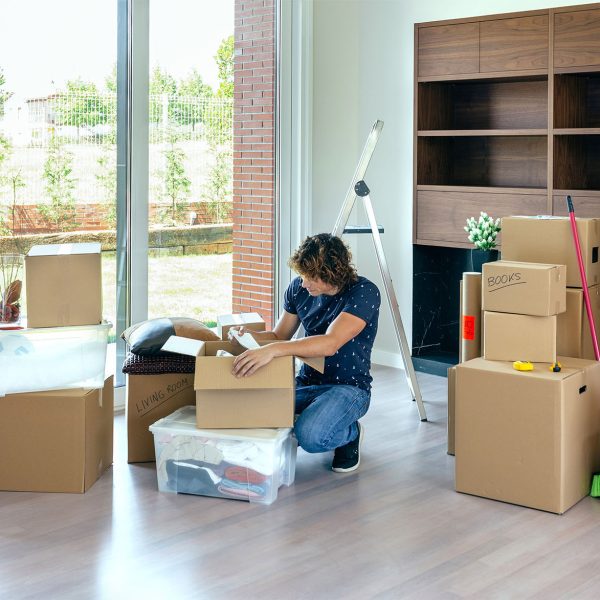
(58, 128)
(190, 164)
(183, 201)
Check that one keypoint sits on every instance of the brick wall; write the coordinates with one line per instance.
(254, 158)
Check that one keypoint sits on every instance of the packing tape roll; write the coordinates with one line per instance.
(470, 317)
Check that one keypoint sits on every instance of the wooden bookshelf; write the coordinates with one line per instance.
(507, 117)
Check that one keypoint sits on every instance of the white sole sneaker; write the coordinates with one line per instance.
(361, 432)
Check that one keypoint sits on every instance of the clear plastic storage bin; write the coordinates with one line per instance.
(52, 358)
(242, 464)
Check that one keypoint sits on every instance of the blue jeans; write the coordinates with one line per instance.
(328, 415)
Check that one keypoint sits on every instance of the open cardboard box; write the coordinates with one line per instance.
(63, 285)
(223, 401)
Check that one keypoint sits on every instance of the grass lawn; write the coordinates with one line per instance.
(197, 286)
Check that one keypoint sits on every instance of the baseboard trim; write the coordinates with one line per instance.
(387, 359)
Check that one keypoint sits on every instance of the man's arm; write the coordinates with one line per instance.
(286, 327)
(341, 331)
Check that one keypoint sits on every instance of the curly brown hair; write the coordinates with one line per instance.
(325, 257)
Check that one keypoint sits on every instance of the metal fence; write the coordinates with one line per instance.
(85, 127)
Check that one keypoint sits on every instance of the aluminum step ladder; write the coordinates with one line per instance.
(358, 189)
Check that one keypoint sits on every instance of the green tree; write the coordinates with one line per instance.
(4, 95)
(189, 107)
(60, 185)
(217, 193)
(107, 180)
(224, 60)
(219, 120)
(176, 185)
(162, 86)
(110, 81)
(193, 85)
(81, 105)
(5, 151)
(14, 181)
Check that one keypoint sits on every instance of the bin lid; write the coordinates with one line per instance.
(183, 422)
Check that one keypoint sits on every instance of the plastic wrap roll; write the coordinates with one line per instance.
(470, 317)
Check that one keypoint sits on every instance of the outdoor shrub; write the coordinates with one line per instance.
(60, 183)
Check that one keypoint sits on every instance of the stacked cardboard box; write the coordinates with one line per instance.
(550, 240)
(532, 438)
(153, 397)
(265, 399)
(258, 409)
(56, 423)
(520, 301)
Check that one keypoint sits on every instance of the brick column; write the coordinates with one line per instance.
(254, 158)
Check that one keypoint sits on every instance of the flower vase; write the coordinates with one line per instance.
(480, 257)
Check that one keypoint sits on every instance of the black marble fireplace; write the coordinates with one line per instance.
(437, 272)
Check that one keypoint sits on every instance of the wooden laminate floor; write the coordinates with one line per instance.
(395, 529)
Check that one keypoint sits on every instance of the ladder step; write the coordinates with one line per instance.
(361, 229)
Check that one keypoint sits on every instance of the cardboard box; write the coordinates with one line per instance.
(251, 321)
(550, 240)
(58, 441)
(451, 409)
(223, 401)
(150, 398)
(519, 337)
(573, 337)
(524, 288)
(529, 438)
(63, 284)
(471, 317)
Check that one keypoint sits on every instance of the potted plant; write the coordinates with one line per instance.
(482, 233)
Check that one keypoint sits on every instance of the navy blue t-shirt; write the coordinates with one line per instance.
(351, 364)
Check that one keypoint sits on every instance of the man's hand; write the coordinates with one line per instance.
(250, 361)
(238, 329)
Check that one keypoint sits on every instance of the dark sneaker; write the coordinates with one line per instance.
(347, 458)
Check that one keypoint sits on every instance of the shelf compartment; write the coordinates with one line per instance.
(587, 203)
(483, 161)
(480, 132)
(441, 215)
(577, 100)
(503, 103)
(576, 162)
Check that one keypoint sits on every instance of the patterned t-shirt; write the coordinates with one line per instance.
(351, 364)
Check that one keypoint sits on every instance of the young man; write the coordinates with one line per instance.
(339, 311)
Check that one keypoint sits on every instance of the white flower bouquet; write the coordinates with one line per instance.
(482, 233)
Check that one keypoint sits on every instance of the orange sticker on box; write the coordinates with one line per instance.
(468, 327)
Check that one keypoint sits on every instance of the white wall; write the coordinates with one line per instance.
(363, 65)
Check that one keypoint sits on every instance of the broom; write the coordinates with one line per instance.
(595, 491)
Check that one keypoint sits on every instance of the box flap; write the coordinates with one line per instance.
(62, 249)
(183, 345)
(316, 362)
(248, 341)
(239, 319)
(520, 264)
